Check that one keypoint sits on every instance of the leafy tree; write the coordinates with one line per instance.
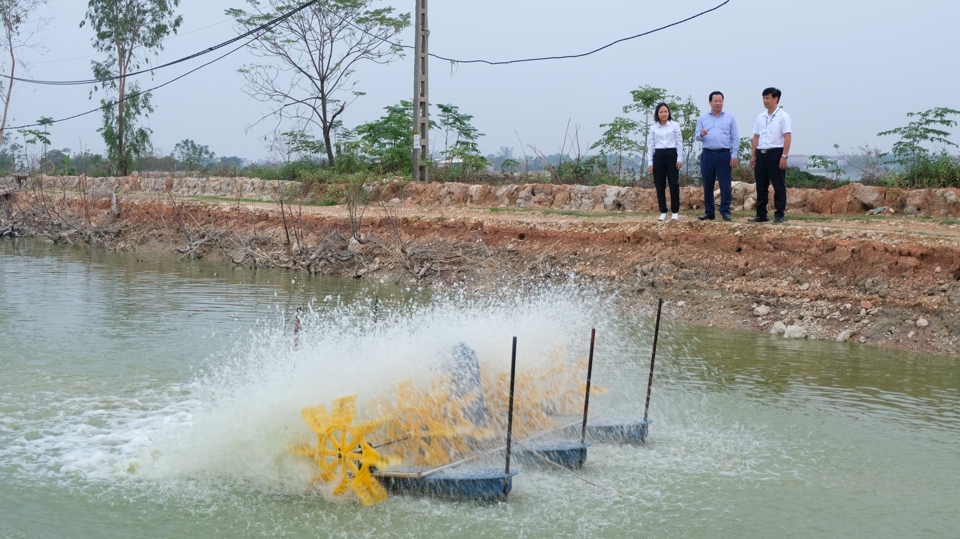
(743, 172)
(830, 166)
(387, 140)
(9, 152)
(126, 30)
(61, 161)
(617, 141)
(21, 24)
(686, 114)
(303, 144)
(193, 155)
(456, 125)
(501, 158)
(910, 151)
(318, 51)
(509, 165)
(37, 136)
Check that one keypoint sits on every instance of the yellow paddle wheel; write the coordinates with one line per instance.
(454, 419)
(343, 452)
(430, 426)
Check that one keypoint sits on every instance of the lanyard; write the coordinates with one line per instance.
(770, 119)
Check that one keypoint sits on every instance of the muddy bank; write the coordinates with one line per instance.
(891, 281)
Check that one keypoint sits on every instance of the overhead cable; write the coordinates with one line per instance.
(565, 57)
(137, 94)
(304, 6)
(256, 31)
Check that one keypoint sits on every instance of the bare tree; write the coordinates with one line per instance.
(21, 24)
(317, 51)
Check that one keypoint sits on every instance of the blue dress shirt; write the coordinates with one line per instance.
(722, 132)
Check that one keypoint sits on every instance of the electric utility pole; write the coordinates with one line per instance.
(421, 116)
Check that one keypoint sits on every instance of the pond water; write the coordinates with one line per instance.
(146, 396)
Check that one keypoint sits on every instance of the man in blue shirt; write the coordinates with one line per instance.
(717, 130)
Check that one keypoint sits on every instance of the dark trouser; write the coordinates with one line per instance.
(664, 170)
(715, 167)
(768, 171)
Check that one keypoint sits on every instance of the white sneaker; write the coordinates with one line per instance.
(663, 217)
(675, 217)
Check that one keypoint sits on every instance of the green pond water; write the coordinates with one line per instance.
(152, 397)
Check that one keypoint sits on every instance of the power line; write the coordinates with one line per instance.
(137, 94)
(258, 30)
(304, 6)
(180, 34)
(565, 57)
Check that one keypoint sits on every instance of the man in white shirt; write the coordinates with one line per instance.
(772, 135)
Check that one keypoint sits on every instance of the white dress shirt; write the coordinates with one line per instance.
(771, 128)
(662, 137)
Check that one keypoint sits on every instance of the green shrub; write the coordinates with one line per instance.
(936, 172)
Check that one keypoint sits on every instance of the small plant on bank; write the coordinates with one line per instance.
(921, 169)
(831, 166)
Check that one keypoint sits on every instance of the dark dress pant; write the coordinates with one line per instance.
(768, 172)
(664, 171)
(715, 168)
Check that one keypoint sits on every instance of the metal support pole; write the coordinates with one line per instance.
(513, 377)
(586, 397)
(653, 359)
(421, 105)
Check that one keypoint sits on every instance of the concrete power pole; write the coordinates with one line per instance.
(421, 113)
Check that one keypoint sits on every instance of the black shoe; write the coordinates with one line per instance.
(757, 220)
(726, 217)
(777, 220)
(705, 218)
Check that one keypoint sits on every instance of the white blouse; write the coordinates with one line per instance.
(664, 136)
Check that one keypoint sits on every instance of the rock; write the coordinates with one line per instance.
(844, 335)
(795, 332)
(778, 328)
(922, 322)
(762, 310)
(353, 245)
(681, 303)
(863, 339)
(907, 262)
(869, 196)
(805, 286)
(863, 312)
(911, 334)
(866, 304)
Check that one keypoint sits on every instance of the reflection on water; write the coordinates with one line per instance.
(157, 397)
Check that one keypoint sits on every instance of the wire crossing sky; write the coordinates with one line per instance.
(841, 84)
(256, 32)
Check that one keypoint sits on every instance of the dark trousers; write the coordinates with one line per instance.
(715, 167)
(664, 170)
(768, 171)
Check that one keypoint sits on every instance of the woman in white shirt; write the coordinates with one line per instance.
(663, 150)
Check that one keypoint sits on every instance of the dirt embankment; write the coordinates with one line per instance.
(889, 281)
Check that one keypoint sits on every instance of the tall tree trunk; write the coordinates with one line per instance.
(121, 150)
(328, 143)
(13, 68)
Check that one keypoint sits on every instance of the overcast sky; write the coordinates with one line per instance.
(848, 70)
